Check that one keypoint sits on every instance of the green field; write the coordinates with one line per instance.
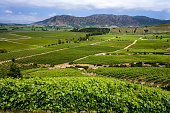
(121, 42)
(155, 51)
(117, 59)
(30, 39)
(67, 55)
(150, 44)
(137, 74)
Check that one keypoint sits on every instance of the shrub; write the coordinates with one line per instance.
(139, 64)
(14, 71)
(3, 51)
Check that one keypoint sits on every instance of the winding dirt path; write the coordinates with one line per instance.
(13, 40)
(142, 38)
(106, 53)
(1, 62)
(65, 65)
(26, 37)
(131, 44)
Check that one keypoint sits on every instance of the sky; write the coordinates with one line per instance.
(28, 11)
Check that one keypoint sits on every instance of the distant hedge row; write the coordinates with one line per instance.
(97, 31)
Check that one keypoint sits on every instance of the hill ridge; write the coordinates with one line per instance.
(102, 20)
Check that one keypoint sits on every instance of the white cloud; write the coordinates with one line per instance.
(153, 5)
(70, 14)
(52, 14)
(20, 18)
(33, 13)
(8, 11)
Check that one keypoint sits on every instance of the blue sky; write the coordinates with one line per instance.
(28, 11)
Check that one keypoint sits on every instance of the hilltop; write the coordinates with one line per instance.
(102, 20)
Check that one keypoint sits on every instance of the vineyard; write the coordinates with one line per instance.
(118, 59)
(65, 71)
(74, 94)
(149, 75)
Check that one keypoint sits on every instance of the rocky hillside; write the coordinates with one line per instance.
(102, 20)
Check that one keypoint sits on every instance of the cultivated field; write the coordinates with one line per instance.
(64, 71)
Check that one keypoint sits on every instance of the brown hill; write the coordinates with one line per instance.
(102, 20)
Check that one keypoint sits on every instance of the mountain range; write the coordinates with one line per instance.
(102, 20)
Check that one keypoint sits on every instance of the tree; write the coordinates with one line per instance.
(156, 36)
(146, 30)
(14, 71)
(13, 59)
(135, 30)
(59, 41)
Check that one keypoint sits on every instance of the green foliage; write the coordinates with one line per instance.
(68, 72)
(154, 74)
(14, 71)
(70, 94)
(4, 68)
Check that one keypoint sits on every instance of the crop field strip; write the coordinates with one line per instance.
(118, 59)
(145, 75)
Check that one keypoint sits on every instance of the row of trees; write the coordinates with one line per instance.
(93, 31)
